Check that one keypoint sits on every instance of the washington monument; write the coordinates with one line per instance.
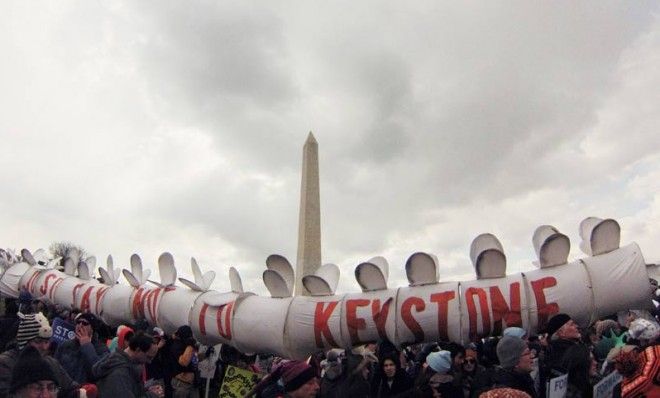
(309, 223)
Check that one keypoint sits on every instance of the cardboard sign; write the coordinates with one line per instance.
(62, 331)
(557, 387)
(237, 382)
(206, 368)
(609, 387)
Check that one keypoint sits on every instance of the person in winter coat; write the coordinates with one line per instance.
(184, 352)
(582, 371)
(78, 355)
(435, 380)
(32, 377)
(390, 379)
(358, 368)
(121, 373)
(514, 370)
(332, 375)
(564, 334)
(34, 331)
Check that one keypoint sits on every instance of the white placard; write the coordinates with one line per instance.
(557, 387)
(605, 388)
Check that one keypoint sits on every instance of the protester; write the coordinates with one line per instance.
(332, 372)
(32, 377)
(121, 373)
(35, 332)
(472, 370)
(358, 369)
(300, 380)
(434, 380)
(514, 370)
(391, 380)
(564, 333)
(644, 332)
(78, 355)
(582, 371)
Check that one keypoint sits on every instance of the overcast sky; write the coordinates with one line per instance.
(139, 127)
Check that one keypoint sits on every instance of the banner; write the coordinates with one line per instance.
(237, 382)
(62, 331)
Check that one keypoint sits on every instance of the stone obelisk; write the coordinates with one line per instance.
(309, 223)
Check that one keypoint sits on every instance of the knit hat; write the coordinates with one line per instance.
(603, 326)
(509, 350)
(32, 326)
(515, 331)
(642, 329)
(30, 368)
(556, 322)
(295, 374)
(89, 318)
(504, 393)
(439, 361)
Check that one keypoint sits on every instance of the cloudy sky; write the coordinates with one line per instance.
(139, 127)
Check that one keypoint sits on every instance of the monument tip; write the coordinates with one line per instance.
(311, 139)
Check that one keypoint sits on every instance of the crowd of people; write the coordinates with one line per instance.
(142, 361)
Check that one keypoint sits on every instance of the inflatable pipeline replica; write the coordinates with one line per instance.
(610, 279)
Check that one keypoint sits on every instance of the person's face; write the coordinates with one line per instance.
(40, 344)
(569, 330)
(39, 389)
(151, 353)
(389, 368)
(458, 360)
(469, 364)
(525, 364)
(307, 390)
(83, 327)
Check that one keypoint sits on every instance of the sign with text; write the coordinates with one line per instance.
(609, 387)
(557, 387)
(62, 331)
(237, 382)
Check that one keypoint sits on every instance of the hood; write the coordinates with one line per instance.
(116, 360)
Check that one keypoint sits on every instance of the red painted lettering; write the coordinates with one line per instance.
(44, 287)
(354, 323)
(75, 293)
(321, 329)
(472, 312)
(544, 310)
(84, 304)
(502, 311)
(379, 314)
(443, 299)
(409, 320)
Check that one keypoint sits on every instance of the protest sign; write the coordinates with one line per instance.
(557, 387)
(237, 382)
(610, 385)
(62, 331)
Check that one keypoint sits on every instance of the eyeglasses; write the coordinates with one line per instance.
(82, 322)
(36, 388)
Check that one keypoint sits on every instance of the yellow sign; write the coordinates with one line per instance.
(238, 382)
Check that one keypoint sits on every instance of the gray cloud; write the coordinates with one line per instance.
(149, 127)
